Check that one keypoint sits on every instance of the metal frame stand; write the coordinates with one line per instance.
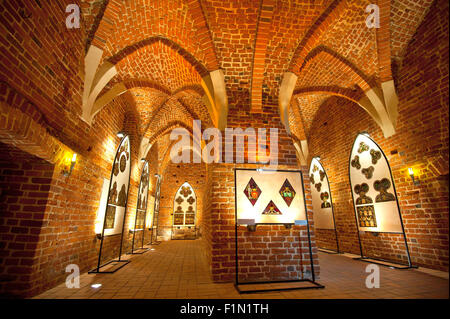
(141, 250)
(156, 214)
(119, 260)
(315, 285)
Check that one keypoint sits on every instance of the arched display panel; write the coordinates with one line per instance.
(155, 218)
(321, 199)
(373, 190)
(184, 213)
(141, 210)
(114, 216)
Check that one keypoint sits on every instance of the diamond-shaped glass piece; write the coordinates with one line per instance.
(287, 192)
(271, 209)
(252, 191)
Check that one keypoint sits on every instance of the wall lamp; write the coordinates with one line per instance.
(411, 174)
(67, 172)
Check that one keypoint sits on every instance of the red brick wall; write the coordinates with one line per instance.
(421, 142)
(24, 190)
(67, 235)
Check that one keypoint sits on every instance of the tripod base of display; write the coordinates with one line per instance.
(139, 251)
(254, 287)
(328, 251)
(98, 270)
(385, 263)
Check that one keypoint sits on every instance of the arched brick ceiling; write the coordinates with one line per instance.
(143, 19)
(406, 16)
(291, 20)
(188, 38)
(160, 63)
(349, 37)
(146, 100)
(170, 113)
(307, 106)
(324, 71)
(194, 101)
(233, 27)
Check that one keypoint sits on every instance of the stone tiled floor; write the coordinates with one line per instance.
(178, 269)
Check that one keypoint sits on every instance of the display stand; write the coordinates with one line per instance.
(143, 184)
(374, 260)
(316, 161)
(278, 285)
(111, 265)
(154, 229)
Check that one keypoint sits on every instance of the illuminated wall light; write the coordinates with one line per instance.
(95, 286)
(98, 228)
(411, 174)
(67, 172)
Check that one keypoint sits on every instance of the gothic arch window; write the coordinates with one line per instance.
(185, 206)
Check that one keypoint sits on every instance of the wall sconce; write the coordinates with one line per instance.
(411, 174)
(66, 172)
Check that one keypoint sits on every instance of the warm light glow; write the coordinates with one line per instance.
(96, 286)
(98, 226)
(410, 171)
(74, 157)
(120, 135)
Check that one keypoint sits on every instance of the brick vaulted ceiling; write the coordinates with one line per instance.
(160, 48)
(163, 48)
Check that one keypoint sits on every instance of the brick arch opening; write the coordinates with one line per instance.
(25, 182)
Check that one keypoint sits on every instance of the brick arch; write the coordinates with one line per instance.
(357, 76)
(311, 38)
(199, 67)
(158, 110)
(146, 83)
(26, 132)
(204, 33)
(166, 157)
(165, 129)
(352, 95)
